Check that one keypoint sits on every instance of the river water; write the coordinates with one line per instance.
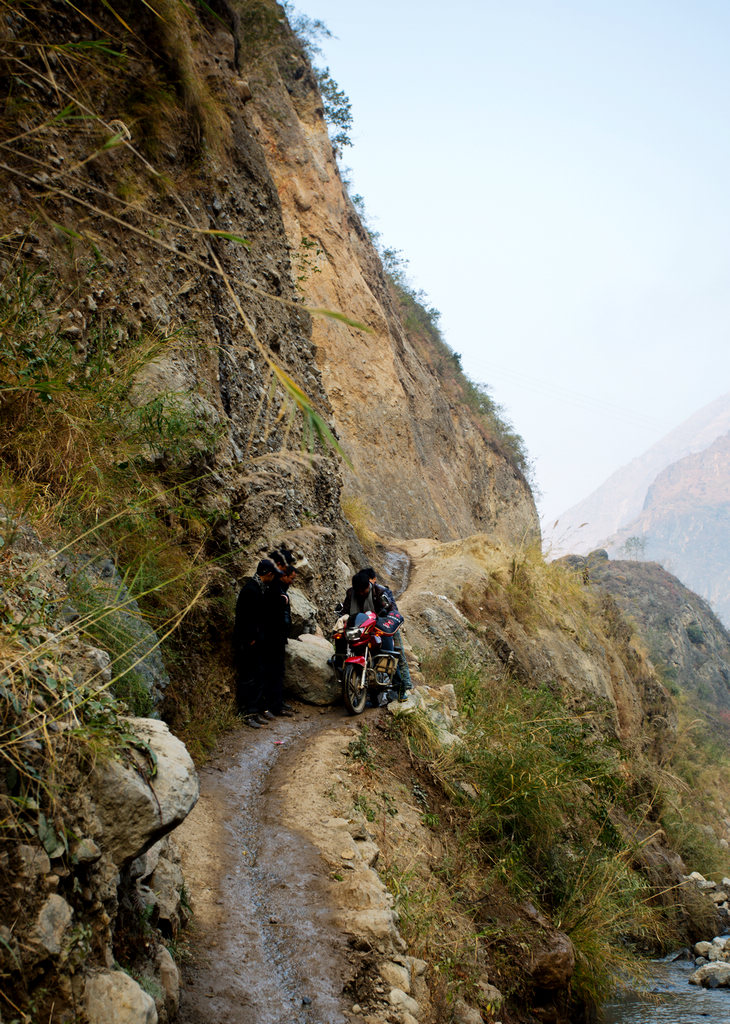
(670, 999)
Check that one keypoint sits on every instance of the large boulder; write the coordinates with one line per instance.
(52, 924)
(134, 809)
(715, 975)
(308, 676)
(303, 613)
(112, 997)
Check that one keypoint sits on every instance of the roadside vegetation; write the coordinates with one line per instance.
(537, 806)
(541, 806)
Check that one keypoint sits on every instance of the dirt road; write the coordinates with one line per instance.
(265, 949)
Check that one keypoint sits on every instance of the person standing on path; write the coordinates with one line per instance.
(278, 625)
(256, 657)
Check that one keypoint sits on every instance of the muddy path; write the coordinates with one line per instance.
(265, 949)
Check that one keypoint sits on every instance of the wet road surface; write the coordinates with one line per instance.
(264, 949)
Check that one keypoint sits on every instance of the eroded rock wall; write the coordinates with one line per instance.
(419, 461)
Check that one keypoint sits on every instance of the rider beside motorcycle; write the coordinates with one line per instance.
(402, 678)
(363, 596)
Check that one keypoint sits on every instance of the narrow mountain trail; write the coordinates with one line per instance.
(265, 949)
(288, 913)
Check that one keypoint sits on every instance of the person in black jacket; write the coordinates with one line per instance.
(256, 638)
(364, 596)
(280, 616)
(402, 678)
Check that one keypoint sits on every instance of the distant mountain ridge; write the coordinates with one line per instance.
(620, 500)
(685, 523)
(687, 643)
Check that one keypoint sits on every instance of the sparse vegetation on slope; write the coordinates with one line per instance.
(536, 806)
(560, 794)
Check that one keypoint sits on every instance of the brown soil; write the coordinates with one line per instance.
(265, 949)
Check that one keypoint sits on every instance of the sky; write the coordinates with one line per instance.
(558, 176)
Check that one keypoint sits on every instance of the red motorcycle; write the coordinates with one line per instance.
(367, 668)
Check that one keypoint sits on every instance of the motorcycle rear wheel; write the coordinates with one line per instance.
(354, 692)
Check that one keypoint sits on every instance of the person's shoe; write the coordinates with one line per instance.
(287, 707)
(284, 713)
(260, 718)
(268, 715)
(252, 721)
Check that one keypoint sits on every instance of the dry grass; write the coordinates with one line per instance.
(360, 519)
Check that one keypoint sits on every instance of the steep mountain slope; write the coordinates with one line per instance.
(420, 461)
(165, 399)
(620, 499)
(688, 644)
(164, 414)
(685, 523)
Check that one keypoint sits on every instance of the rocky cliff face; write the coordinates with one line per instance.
(686, 641)
(685, 523)
(419, 461)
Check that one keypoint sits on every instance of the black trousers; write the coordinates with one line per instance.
(260, 679)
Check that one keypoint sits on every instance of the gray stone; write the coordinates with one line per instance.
(112, 997)
(395, 975)
(719, 973)
(169, 979)
(167, 883)
(369, 852)
(34, 861)
(308, 676)
(430, 702)
(303, 613)
(402, 1001)
(465, 1014)
(135, 812)
(51, 925)
(87, 852)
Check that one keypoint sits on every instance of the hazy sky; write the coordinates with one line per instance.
(558, 175)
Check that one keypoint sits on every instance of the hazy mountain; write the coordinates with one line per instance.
(620, 500)
(685, 524)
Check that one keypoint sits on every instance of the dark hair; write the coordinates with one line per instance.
(360, 581)
(370, 571)
(283, 556)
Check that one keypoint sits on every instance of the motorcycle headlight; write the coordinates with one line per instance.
(354, 634)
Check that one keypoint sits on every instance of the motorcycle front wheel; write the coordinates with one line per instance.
(354, 691)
